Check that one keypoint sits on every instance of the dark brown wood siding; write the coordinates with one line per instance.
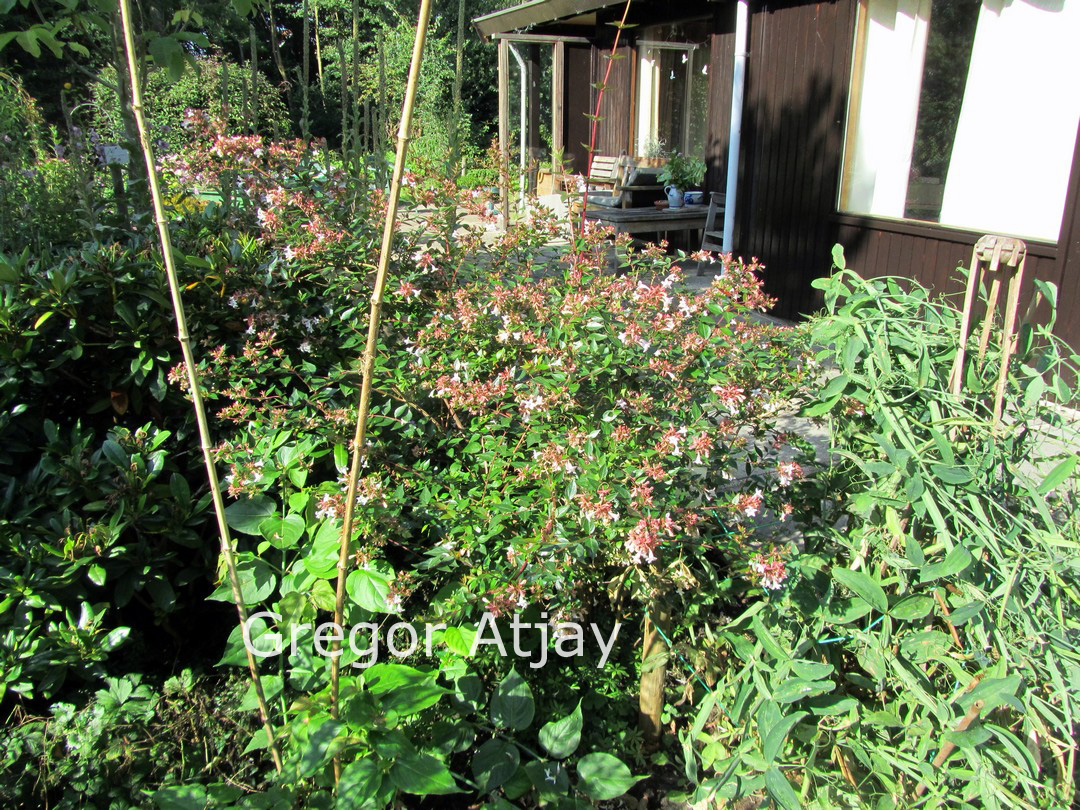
(793, 125)
(798, 76)
(615, 128)
(578, 94)
(721, 59)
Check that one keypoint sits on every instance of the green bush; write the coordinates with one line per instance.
(167, 102)
(934, 601)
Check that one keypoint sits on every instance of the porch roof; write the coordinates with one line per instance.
(536, 12)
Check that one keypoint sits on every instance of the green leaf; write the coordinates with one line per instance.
(360, 781)
(912, 608)
(115, 453)
(257, 583)
(951, 475)
(955, 561)
(283, 532)
(774, 740)
(838, 257)
(369, 587)
(604, 777)
(247, 515)
(1058, 475)
(319, 748)
(863, 585)
(797, 688)
(512, 704)
(494, 762)
(561, 738)
(780, 789)
(422, 775)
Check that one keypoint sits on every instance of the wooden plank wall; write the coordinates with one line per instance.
(797, 84)
(721, 58)
(578, 94)
(613, 136)
(793, 125)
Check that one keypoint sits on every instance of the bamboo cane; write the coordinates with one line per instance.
(189, 362)
(372, 343)
(596, 117)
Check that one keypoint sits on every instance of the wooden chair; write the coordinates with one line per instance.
(712, 238)
(607, 181)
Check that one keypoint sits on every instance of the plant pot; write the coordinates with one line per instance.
(675, 197)
(650, 163)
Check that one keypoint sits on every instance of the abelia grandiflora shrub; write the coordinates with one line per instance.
(597, 423)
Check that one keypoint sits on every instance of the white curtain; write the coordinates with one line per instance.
(888, 104)
(1018, 123)
(648, 99)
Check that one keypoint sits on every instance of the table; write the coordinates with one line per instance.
(650, 219)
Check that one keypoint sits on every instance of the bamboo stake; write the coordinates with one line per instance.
(596, 117)
(372, 344)
(189, 362)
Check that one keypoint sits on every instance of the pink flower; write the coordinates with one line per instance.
(789, 472)
(772, 570)
(748, 505)
(730, 396)
(408, 291)
(646, 536)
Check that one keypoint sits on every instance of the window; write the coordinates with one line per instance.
(964, 112)
(673, 89)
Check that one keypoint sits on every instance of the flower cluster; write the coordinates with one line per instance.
(769, 570)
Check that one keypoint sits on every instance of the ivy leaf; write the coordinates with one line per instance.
(561, 738)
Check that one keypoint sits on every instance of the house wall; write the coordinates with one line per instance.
(798, 74)
(615, 130)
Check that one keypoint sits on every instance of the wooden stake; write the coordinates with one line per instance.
(372, 345)
(189, 362)
(947, 747)
(654, 652)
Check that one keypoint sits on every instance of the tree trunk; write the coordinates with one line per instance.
(344, 100)
(459, 70)
(305, 120)
(355, 95)
(275, 51)
(318, 54)
(254, 79)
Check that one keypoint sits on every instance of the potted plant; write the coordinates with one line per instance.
(680, 175)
